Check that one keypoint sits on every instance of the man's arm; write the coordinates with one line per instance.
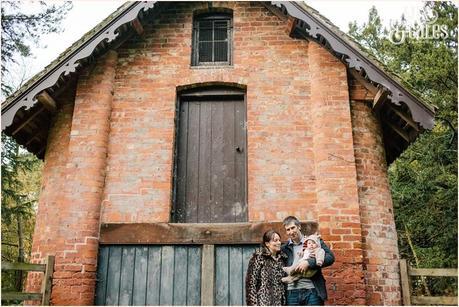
(328, 259)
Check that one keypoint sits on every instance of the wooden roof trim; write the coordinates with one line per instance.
(137, 26)
(370, 87)
(379, 100)
(28, 120)
(317, 29)
(47, 101)
(64, 67)
(399, 131)
(405, 117)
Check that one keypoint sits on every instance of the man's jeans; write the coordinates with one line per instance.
(303, 297)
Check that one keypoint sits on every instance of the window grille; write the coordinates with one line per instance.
(212, 40)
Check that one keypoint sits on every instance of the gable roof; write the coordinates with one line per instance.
(116, 28)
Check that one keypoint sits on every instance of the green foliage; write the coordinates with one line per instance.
(21, 176)
(14, 162)
(424, 178)
(22, 30)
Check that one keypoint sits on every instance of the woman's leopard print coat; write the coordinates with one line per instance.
(263, 283)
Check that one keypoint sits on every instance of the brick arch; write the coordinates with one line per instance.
(205, 86)
(212, 10)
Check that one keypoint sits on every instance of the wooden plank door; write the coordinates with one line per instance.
(172, 275)
(210, 183)
(231, 264)
(149, 275)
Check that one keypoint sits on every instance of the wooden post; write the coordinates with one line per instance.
(47, 101)
(406, 283)
(207, 275)
(379, 99)
(137, 26)
(47, 281)
(370, 87)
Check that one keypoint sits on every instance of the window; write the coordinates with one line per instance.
(212, 40)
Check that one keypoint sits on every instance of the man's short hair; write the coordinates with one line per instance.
(310, 227)
(291, 219)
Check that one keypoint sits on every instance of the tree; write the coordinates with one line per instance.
(424, 178)
(21, 30)
(21, 171)
(21, 174)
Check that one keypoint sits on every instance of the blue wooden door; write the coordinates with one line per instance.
(149, 275)
(170, 274)
(230, 268)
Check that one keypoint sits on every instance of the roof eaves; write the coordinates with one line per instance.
(65, 54)
(67, 62)
(315, 24)
(375, 61)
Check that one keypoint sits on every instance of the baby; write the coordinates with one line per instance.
(311, 249)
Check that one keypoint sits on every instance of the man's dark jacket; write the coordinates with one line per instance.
(318, 279)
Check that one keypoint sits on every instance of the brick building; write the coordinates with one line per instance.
(174, 134)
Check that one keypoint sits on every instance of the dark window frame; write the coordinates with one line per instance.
(213, 18)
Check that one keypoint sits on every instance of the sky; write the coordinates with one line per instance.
(88, 13)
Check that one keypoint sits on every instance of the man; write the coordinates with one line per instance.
(305, 291)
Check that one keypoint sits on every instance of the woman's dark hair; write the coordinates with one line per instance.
(268, 236)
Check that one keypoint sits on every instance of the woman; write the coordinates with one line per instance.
(263, 285)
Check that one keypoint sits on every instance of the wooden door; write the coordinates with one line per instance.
(231, 264)
(149, 275)
(210, 183)
(142, 275)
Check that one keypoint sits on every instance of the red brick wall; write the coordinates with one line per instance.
(69, 215)
(274, 68)
(335, 172)
(86, 162)
(116, 152)
(48, 219)
(377, 217)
